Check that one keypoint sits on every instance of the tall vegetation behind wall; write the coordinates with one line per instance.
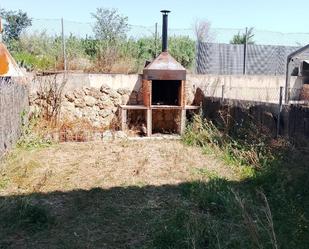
(13, 108)
(108, 48)
(44, 52)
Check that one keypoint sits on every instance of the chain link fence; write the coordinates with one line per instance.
(266, 56)
(215, 58)
(216, 35)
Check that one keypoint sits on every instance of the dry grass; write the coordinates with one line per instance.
(66, 130)
(96, 195)
(70, 166)
(146, 194)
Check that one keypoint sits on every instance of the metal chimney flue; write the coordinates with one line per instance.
(164, 30)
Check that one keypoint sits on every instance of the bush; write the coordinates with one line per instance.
(44, 52)
(35, 62)
(183, 49)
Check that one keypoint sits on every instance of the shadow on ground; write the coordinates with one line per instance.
(189, 215)
(122, 217)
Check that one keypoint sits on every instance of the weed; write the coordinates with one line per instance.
(236, 147)
(261, 211)
(30, 139)
(3, 182)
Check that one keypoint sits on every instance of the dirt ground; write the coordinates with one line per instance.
(101, 195)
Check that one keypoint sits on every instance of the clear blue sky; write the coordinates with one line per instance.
(275, 15)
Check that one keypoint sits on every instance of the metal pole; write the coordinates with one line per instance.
(222, 93)
(287, 82)
(245, 52)
(279, 111)
(63, 47)
(156, 38)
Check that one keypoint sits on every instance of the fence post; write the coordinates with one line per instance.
(156, 38)
(279, 111)
(63, 47)
(222, 93)
(289, 95)
(245, 52)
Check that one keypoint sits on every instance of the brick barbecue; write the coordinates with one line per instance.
(163, 86)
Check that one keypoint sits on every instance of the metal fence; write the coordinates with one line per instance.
(13, 103)
(216, 35)
(215, 58)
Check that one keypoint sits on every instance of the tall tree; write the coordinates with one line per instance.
(15, 23)
(110, 25)
(241, 38)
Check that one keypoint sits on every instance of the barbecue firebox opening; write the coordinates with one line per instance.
(166, 92)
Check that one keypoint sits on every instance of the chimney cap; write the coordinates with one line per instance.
(165, 12)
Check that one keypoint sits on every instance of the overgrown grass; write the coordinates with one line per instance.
(41, 52)
(244, 145)
(269, 208)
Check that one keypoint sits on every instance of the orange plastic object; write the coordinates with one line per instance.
(8, 66)
(4, 64)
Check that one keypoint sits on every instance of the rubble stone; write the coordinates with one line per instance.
(90, 101)
(98, 105)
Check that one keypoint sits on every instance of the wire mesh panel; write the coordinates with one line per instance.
(215, 35)
(261, 59)
(216, 58)
(270, 60)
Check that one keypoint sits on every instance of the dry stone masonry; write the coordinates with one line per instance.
(98, 106)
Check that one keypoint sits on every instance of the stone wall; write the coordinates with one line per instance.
(99, 106)
(96, 97)
(248, 87)
(13, 111)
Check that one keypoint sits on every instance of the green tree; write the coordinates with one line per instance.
(15, 23)
(182, 48)
(110, 25)
(241, 38)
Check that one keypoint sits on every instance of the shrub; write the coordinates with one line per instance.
(35, 62)
(44, 52)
